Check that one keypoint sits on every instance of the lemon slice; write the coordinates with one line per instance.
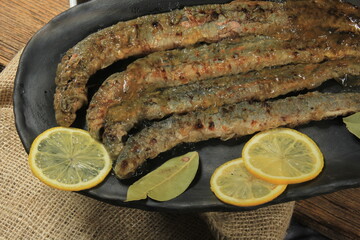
(283, 156)
(233, 184)
(69, 159)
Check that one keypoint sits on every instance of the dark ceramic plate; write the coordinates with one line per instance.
(33, 98)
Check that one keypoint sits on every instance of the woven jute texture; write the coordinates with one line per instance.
(31, 210)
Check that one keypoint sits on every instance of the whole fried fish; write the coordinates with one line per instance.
(231, 121)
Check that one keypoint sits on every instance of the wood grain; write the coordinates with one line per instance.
(20, 19)
(335, 215)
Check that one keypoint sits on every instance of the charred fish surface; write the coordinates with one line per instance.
(179, 28)
(262, 85)
(231, 121)
(177, 67)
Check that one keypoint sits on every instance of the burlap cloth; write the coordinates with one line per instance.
(31, 210)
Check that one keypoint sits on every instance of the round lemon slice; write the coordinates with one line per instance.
(69, 159)
(233, 184)
(283, 156)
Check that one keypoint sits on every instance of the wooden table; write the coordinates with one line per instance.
(335, 215)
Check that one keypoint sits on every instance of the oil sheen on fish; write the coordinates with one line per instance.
(177, 67)
(262, 85)
(231, 121)
(179, 28)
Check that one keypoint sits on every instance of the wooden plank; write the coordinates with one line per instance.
(335, 215)
(20, 19)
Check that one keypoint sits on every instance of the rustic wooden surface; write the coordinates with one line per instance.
(20, 19)
(335, 215)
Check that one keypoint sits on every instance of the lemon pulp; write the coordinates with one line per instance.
(69, 159)
(233, 184)
(283, 156)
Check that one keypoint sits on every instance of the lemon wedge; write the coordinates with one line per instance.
(283, 156)
(233, 184)
(69, 159)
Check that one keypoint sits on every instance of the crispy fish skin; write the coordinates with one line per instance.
(180, 66)
(262, 85)
(231, 121)
(177, 67)
(149, 34)
(179, 28)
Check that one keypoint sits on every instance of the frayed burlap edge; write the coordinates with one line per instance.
(264, 223)
(31, 210)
